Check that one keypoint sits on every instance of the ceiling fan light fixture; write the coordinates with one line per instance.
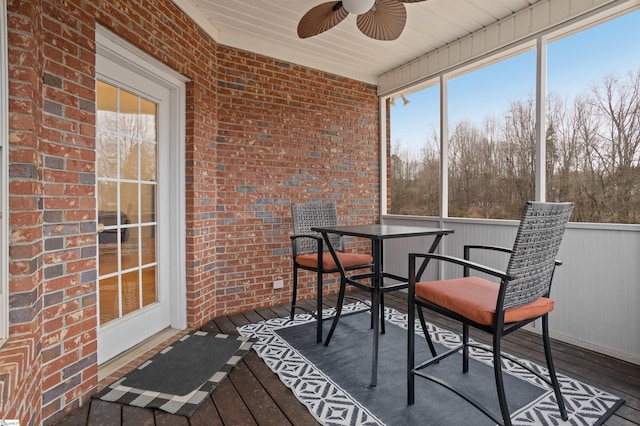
(358, 7)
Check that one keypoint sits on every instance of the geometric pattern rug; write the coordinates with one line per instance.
(331, 404)
(181, 376)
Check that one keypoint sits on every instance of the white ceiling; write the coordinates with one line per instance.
(269, 27)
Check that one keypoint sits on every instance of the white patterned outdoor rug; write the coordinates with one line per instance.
(333, 382)
(181, 376)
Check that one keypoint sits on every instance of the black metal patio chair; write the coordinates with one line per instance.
(309, 252)
(521, 296)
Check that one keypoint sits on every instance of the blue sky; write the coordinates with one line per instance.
(574, 63)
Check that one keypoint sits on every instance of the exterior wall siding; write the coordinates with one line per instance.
(260, 134)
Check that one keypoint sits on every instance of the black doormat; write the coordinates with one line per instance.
(181, 376)
(333, 382)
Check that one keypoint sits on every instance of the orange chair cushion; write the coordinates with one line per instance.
(348, 260)
(475, 298)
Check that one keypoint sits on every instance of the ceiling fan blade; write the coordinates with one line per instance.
(321, 18)
(385, 21)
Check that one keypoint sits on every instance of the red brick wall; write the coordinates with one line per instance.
(286, 134)
(21, 357)
(260, 134)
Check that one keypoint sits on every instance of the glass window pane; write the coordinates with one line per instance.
(147, 120)
(128, 117)
(148, 161)
(128, 158)
(148, 234)
(492, 139)
(107, 106)
(149, 289)
(107, 196)
(107, 155)
(414, 178)
(107, 97)
(593, 121)
(130, 292)
(148, 203)
(130, 258)
(128, 103)
(108, 289)
(129, 200)
(108, 258)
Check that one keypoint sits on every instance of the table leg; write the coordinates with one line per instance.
(375, 309)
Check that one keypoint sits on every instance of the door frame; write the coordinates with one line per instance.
(111, 47)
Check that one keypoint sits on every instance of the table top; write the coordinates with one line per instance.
(381, 232)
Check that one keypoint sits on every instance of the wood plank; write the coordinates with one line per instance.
(294, 410)
(136, 416)
(238, 319)
(166, 419)
(252, 317)
(230, 406)
(260, 404)
(280, 311)
(104, 413)
(619, 421)
(210, 327)
(225, 325)
(206, 415)
(628, 413)
(266, 313)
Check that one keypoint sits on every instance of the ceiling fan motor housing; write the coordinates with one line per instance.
(358, 7)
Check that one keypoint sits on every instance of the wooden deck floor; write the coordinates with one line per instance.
(253, 395)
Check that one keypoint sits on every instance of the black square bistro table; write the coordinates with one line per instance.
(377, 233)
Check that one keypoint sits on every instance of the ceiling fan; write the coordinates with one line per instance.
(378, 19)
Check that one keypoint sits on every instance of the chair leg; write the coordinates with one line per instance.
(497, 369)
(427, 337)
(295, 292)
(411, 355)
(341, 293)
(382, 329)
(465, 347)
(319, 308)
(550, 367)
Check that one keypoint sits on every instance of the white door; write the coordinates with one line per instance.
(133, 132)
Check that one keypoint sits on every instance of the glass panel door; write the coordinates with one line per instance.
(126, 192)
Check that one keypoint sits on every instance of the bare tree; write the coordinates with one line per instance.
(593, 159)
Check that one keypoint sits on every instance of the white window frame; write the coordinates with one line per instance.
(4, 176)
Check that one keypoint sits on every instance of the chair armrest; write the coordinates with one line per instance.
(294, 246)
(456, 260)
(467, 249)
(315, 237)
